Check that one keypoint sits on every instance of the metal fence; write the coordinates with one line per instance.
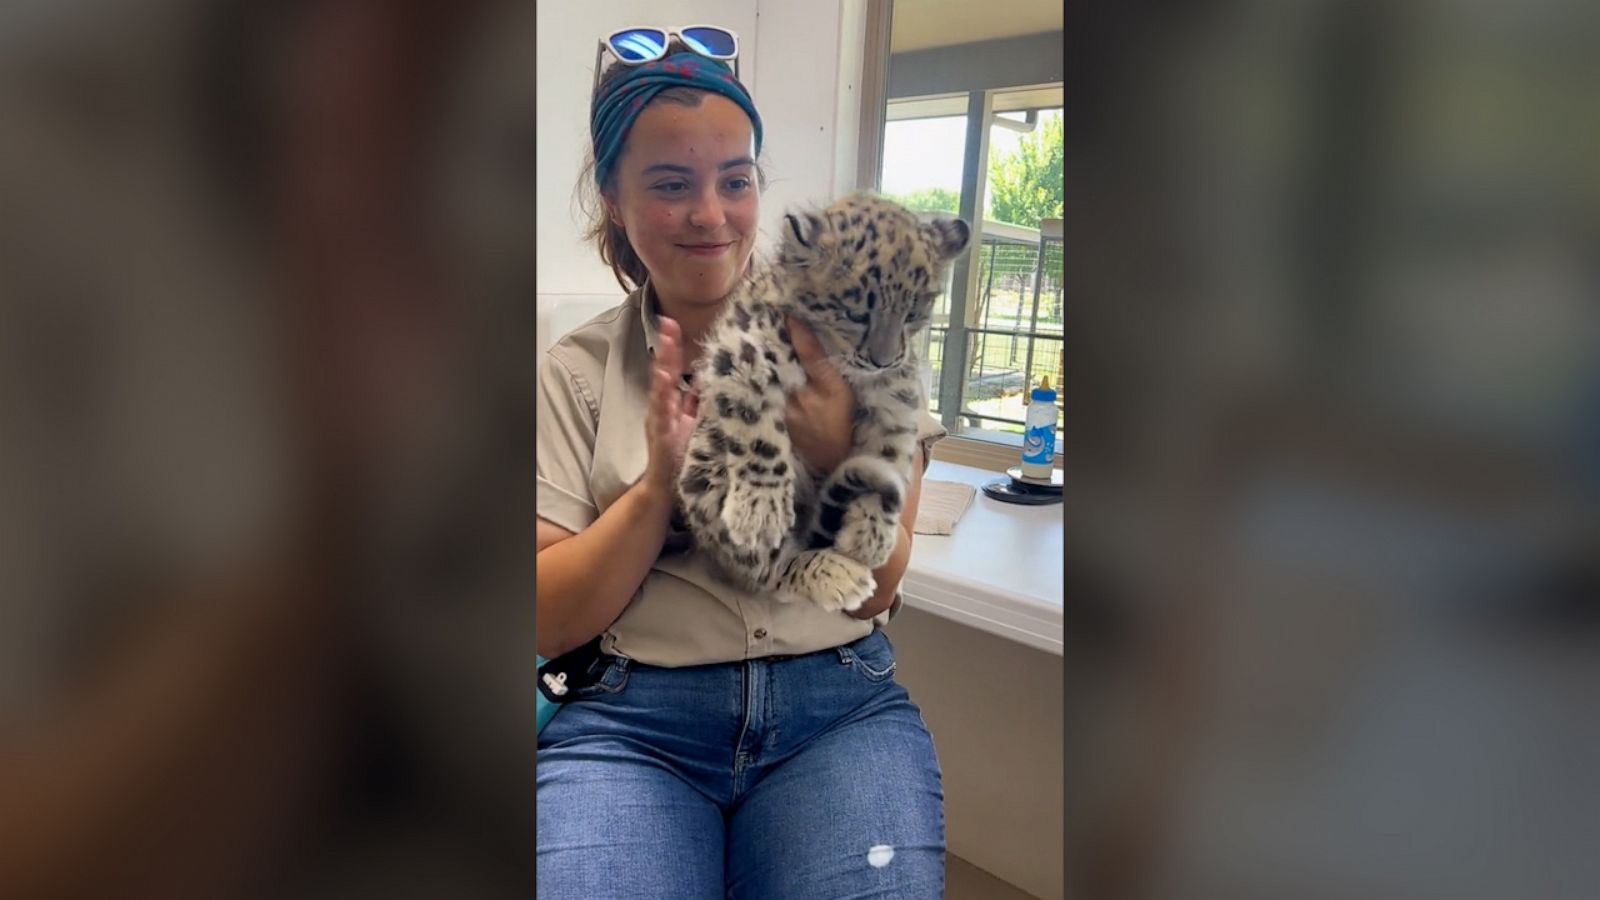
(1015, 340)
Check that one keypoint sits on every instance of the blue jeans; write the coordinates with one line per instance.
(802, 777)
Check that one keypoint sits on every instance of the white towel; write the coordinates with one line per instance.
(941, 505)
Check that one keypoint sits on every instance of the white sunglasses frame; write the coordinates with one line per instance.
(605, 44)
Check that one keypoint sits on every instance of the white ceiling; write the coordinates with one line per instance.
(921, 24)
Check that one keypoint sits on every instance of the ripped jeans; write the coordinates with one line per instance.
(779, 779)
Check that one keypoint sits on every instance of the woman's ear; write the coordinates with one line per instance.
(613, 212)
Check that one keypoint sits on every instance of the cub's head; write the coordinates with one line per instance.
(865, 273)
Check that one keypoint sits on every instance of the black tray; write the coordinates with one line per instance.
(1027, 493)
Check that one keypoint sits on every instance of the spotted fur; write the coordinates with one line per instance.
(863, 274)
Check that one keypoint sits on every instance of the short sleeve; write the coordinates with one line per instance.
(929, 431)
(567, 416)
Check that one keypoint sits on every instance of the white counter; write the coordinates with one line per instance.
(1000, 571)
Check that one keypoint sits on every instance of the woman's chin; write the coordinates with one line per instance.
(704, 288)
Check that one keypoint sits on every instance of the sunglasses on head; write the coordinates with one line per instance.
(638, 45)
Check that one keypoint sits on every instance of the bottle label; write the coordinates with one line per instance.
(1039, 445)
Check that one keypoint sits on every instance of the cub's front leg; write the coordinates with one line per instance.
(853, 532)
(703, 484)
(744, 400)
(703, 488)
(859, 510)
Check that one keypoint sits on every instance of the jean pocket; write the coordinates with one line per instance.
(871, 657)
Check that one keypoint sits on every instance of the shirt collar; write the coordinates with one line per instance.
(649, 308)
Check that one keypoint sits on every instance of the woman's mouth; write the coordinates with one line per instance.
(705, 249)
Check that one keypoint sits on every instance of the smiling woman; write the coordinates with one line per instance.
(760, 748)
(700, 127)
(685, 199)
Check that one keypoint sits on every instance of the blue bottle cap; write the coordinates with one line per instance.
(1044, 395)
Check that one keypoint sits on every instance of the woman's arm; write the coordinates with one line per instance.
(820, 417)
(889, 574)
(583, 581)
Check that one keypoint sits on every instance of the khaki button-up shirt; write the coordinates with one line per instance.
(593, 392)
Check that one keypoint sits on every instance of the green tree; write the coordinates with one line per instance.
(1027, 184)
(936, 199)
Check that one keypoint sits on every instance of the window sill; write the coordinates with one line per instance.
(1000, 572)
(979, 454)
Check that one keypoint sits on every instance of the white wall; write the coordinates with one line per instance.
(802, 63)
(807, 75)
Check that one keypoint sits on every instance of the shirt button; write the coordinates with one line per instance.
(761, 634)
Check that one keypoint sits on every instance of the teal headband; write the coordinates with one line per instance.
(619, 101)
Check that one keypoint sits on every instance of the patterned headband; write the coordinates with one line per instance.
(619, 101)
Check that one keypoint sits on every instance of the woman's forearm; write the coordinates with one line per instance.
(583, 583)
(888, 576)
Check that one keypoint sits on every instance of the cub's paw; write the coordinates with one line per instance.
(757, 521)
(867, 536)
(836, 582)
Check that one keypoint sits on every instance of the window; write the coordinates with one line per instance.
(962, 115)
(999, 325)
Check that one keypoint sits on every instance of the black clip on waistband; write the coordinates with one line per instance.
(562, 677)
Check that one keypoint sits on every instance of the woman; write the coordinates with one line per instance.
(722, 744)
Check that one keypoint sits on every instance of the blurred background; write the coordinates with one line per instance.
(1331, 427)
(266, 455)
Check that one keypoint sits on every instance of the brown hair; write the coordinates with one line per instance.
(608, 237)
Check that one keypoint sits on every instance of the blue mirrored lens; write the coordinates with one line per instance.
(639, 45)
(713, 42)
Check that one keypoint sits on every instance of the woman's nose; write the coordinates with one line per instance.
(707, 211)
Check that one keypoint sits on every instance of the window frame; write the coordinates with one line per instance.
(958, 447)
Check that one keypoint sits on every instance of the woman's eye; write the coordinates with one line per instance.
(738, 184)
(672, 187)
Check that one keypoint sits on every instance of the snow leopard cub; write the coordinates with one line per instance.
(863, 274)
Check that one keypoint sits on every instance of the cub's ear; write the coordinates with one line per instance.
(802, 238)
(948, 237)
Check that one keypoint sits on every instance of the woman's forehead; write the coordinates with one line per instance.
(712, 133)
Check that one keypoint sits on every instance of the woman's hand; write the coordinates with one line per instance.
(821, 415)
(670, 419)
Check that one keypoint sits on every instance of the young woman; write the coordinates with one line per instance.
(721, 744)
